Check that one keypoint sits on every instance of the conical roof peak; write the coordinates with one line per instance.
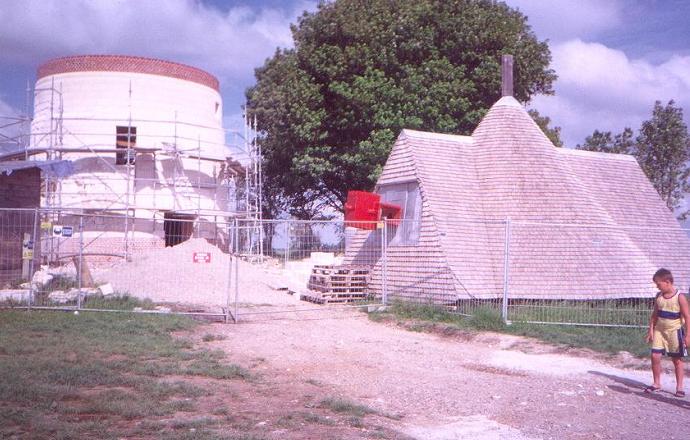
(508, 119)
(507, 100)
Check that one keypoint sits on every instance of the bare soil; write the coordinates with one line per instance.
(439, 385)
(453, 385)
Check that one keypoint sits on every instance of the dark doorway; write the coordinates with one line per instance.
(177, 227)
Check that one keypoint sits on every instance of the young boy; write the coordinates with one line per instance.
(666, 330)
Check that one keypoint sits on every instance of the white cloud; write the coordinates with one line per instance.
(601, 88)
(228, 44)
(11, 127)
(560, 20)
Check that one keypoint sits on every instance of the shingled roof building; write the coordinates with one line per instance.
(505, 210)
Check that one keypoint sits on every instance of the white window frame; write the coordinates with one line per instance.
(407, 196)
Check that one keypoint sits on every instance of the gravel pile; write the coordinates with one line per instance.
(172, 275)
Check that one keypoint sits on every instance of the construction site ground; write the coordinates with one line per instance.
(436, 386)
(439, 386)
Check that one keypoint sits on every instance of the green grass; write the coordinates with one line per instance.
(117, 302)
(630, 312)
(609, 340)
(79, 376)
(61, 282)
(339, 405)
(210, 338)
(123, 375)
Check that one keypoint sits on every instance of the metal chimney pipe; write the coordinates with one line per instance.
(507, 75)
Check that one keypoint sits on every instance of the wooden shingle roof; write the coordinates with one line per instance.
(582, 224)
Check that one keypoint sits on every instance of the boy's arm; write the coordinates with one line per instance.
(685, 313)
(652, 323)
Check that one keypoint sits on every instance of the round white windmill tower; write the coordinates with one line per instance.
(144, 136)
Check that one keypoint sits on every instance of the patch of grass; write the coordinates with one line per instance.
(164, 390)
(62, 372)
(121, 301)
(355, 422)
(61, 282)
(221, 411)
(314, 382)
(607, 340)
(423, 312)
(487, 319)
(310, 417)
(197, 423)
(339, 405)
(217, 370)
(181, 406)
(125, 404)
(209, 337)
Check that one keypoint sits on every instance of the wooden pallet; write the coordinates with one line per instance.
(346, 269)
(320, 298)
(337, 284)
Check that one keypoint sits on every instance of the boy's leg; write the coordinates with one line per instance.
(656, 369)
(680, 372)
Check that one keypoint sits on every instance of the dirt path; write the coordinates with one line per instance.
(484, 386)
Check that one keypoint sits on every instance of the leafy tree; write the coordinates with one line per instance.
(330, 109)
(663, 151)
(622, 143)
(554, 134)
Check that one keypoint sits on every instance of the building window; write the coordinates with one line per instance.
(405, 195)
(125, 142)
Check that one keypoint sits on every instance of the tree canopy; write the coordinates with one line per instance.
(544, 122)
(662, 149)
(360, 71)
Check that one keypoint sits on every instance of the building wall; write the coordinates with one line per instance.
(18, 190)
(180, 142)
(21, 189)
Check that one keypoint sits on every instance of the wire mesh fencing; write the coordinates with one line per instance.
(311, 260)
(88, 261)
(532, 272)
(590, 274)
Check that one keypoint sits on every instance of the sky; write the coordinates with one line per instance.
(614, 58)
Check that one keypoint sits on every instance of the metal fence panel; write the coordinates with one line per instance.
(522, 271)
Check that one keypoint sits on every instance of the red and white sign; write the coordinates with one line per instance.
(201, 257)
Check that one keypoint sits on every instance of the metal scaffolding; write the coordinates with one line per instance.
(186, 184)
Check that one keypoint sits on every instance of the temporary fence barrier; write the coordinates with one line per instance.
(535, 272)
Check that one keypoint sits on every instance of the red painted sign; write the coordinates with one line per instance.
(201, 257)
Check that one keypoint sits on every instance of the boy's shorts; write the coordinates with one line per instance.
(669, 342)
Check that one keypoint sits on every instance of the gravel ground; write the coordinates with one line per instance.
(468, 386)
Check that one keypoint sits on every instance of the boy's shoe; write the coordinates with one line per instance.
(651, 389)
(680, 393)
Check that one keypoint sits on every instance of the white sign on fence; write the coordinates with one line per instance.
(201, 257)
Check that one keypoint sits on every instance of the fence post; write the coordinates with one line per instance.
(81, 259)
(32, 262)
(287, 243)
(506, 273)
(237, 266)
(231, 233)
(384, 261)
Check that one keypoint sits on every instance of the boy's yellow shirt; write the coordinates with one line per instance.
(668, 312)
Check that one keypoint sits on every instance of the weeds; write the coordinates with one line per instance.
(209, 337)
(345, 406)
(609, 340)
(120, 301)
(98, 366)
